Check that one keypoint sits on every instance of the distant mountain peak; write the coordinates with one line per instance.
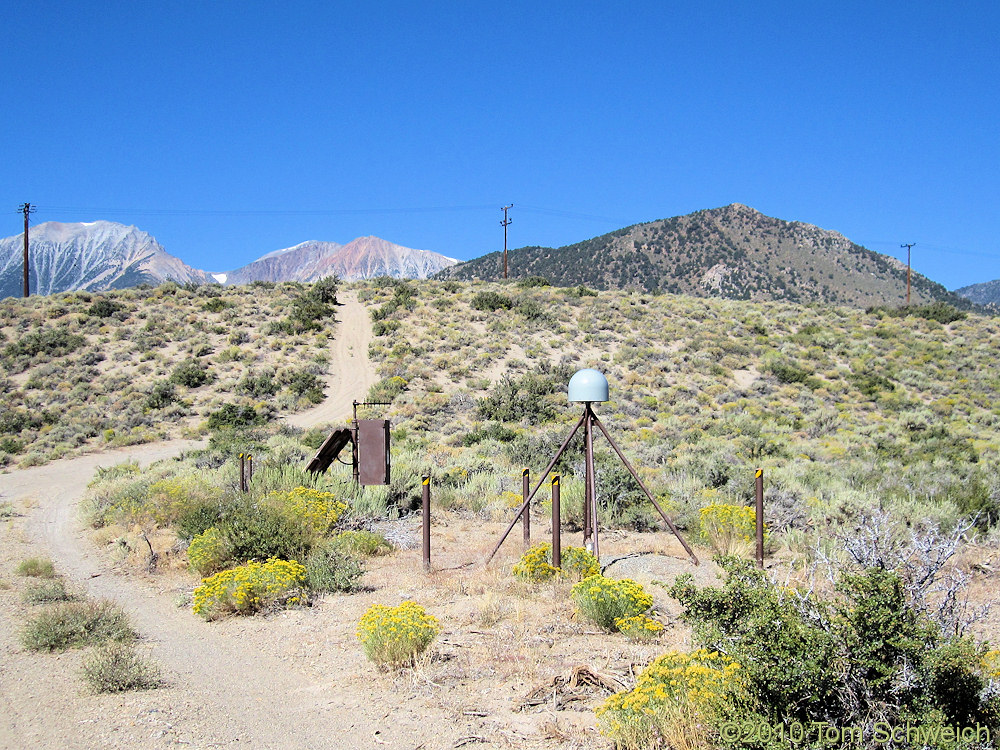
(94, 255)
(361, 258)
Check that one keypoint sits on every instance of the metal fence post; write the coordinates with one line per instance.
(556, 521)
(759, 491)
(426, 502)
(526, 515)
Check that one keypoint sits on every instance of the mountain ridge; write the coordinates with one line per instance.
(104, 255)
(733, 251)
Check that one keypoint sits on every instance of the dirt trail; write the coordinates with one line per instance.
(351, 372)
(222, 690)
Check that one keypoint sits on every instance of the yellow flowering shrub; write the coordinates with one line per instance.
(639, 627)
(250, 588)
(675, 703)
(394, 636)
(605, 601)
(318, 510)
(536, 564)
(208, 551)
(729, 528)
(991, 664)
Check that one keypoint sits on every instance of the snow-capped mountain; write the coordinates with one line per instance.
(298, 263)
(363, 258)
(94, 256)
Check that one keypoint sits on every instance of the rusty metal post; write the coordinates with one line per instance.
(526, 515)
(426, 502)
(243, 473)
(249, 471)
(759, 488)
(556, 523)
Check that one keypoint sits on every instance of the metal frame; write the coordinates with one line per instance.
(590, 523)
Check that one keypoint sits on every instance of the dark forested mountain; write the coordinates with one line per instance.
(734, 251)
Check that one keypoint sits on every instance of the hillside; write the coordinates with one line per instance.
(94, 256)
(986, 294)
(82, 371)
(732, 252)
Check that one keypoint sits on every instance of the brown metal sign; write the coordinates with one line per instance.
(373, 451)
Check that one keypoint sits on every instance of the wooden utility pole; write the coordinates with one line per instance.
(505, 223)
(908, 245)
(26, 208)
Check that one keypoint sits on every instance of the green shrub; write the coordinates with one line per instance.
(786, 372)
(387, 389)
(868, 655)
(491, 301)
(531, 282)
(45, 592)
(103, 308)
(54, 342)
(364, 543)
(161, 395)
(195, 517)
(36, 567)
(395, 636)
(259, 531)
(216, 304)
(118, 668)
(190, 373)
(258, 386)
(251, 588)
(605, 601)
(528, 397)
(69, 624)
(332, 567)
(232, 416)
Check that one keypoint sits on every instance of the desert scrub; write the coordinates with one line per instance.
(36, 567)
(250, 588)
(728, 528)
(333, 567)
(118, 668)
(68, 624)
(317, 509)
(605, 601)
(395, 636)
(639, 627)
(208, 551)
(677, 701)
(45, 592)
(536, 564)
(364, 543)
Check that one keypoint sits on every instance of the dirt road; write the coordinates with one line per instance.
(226, 684)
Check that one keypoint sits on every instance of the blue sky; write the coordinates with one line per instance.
(228, 130)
